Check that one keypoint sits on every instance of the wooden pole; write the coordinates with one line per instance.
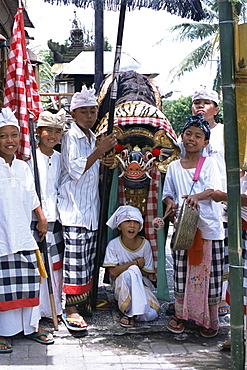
(43, 243)
(101, 241)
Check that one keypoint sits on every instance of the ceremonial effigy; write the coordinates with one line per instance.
(146, 145)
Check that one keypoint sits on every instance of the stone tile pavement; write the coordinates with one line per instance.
(106, 345)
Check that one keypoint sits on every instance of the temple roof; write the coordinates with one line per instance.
(8, 9)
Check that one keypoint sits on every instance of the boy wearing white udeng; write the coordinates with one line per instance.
(129, 259)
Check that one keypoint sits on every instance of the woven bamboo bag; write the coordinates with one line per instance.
(186, 223)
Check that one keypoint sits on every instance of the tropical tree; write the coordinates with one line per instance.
(177, 110)
(206, 31)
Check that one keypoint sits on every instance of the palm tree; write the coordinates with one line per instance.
(207, 31)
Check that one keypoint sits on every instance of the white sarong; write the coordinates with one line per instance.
(134, 295)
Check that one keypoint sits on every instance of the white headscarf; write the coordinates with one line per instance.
(125, 213)
(7, 118)
(203, 93)
(47, 119)
(86, 98)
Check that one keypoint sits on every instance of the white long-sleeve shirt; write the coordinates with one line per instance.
(17, 200)
(78, 196)
(49, 168)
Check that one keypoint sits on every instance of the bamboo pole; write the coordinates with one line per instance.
(99, 44)
(101, 240)
(43, 243)
(226, 25)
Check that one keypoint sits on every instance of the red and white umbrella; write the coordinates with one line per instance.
(21, 90)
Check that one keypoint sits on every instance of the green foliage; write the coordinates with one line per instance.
(46, 77)
(107, 46)
(45, 57)
(208, 33)
(177, 110)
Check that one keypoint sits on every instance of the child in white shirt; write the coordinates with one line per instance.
(129, 259)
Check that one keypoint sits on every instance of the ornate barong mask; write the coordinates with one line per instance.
(146, 140)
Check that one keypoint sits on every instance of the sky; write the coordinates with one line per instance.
(143, 29)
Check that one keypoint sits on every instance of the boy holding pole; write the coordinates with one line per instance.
(78, 204)
(19, 253)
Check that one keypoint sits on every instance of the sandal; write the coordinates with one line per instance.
(176, 329)
(36, 336)
(226, 310)
(104, 305)
(6, 350)
(74, 323)
(208, 332)
(130, 321)
(49, 319)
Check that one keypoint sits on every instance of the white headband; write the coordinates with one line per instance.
(85, 98)
(125, 213)
(7, 118)
(203, 93)
(47, 119)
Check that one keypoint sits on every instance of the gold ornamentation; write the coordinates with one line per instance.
(137, 198)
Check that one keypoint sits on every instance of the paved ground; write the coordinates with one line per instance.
(105, 345)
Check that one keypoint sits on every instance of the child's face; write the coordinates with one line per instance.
(129, 228)
(194, 139)
(85, 117)
(49, 136)
(205, 107)
(9, 141)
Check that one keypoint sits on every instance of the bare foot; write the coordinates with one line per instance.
(4, 346)
(43, 337)
(72, 313)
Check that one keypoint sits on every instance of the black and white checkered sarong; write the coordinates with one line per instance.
(80, 251)
(226, 254)
(54, 242)
(244, 262)
(19, 281)
(215, 285)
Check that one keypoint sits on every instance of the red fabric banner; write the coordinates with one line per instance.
(21, 90)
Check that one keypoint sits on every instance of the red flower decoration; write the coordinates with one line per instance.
(118, 148)
(155, 152)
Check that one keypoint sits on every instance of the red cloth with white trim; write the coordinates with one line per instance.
(150, 232)
(21, 90)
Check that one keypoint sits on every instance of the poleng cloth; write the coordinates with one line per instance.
(19, 281)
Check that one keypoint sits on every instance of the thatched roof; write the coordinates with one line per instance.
(7, 13)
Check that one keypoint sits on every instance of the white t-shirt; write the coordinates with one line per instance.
(49, 168)
(18, 199)
(78, 195)
(118, 254)
(178, 182)
(214, 149)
